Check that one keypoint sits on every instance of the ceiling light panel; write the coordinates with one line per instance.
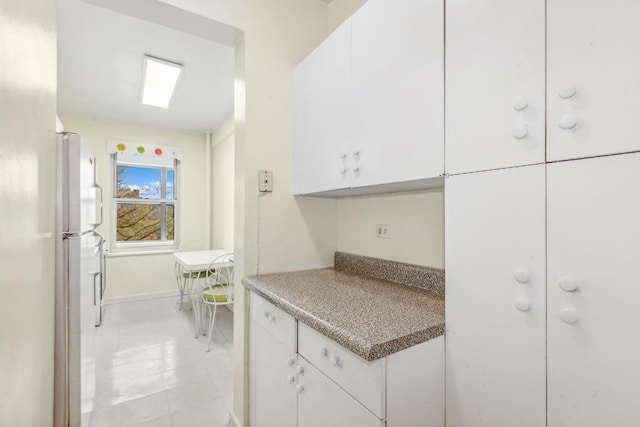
(160, 79)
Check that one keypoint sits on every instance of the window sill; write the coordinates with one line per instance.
(125, 253)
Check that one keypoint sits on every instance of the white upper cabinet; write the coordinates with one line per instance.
(398, 94)
(369, 103)
(321, 112)
(495, 298)
(495, 88)
(593, 276)
(593, 95)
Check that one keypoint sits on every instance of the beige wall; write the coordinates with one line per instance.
(294, 233)
(141, 274)
(27, 218)
(416, 220)
(223, 173)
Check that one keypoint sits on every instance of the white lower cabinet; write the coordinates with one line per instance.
(322, 403)
(495, 298)
(593, 283)
(542, 289)
(273, 363)
(324, 384)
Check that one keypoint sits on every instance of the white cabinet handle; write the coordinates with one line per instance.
(523, 304)
(335, 361)
(343, 170)
(324, 352)
(568, 122)
(520, 103)
(356, 169)
(299, 388)
(300, 370)
(520, 132)
(266, 314)
(291, 379)
(567, 90)
(568, 283)
(522, 276)
(569, 316)
(356, 152)
(343, 155)
(291, 361)
(273, 319)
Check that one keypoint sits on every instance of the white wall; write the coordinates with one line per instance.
(416, 220)
(142, 274)
(340, 10)
(27, 197)
(223, 173)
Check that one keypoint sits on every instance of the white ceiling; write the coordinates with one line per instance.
(100, 54)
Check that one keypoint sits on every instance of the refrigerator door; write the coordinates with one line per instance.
(83, 271)
(82, 202)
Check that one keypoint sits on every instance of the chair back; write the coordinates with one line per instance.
(221, 272)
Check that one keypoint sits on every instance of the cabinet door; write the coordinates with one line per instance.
(495, 84)
(594, 244)
(321, 115)
(592, 71)
(322, 403)
(273, 393)
(495, 305)
(398, 93)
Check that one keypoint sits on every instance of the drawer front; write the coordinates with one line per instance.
(363, 380)
(274, 320)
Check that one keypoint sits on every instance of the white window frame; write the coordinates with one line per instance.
(151, 245)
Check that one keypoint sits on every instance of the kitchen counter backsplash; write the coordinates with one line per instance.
(430, 279)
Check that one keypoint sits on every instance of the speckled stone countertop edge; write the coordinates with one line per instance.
(369, 352)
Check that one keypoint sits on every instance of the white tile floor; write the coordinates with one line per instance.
(151, 371)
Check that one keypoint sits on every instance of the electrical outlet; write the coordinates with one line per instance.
(265, 181)
(383, 231)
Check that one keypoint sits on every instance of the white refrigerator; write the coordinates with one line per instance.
(79, 280)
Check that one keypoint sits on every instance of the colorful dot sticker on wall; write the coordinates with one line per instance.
(122, 147)
(140, 149)
(158, 152)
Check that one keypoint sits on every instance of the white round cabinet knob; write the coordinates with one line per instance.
(520, 132)
(569, 316)
(291, 379)
(520, 103)
(273, 319)
(300, 370)
(324, 352)
(567, 90)
(343, 170)
(299, 389)
(266, 314)
(568, 283)
(291, 361)
(568, 122)
(522, 276)
(356, 169)
(343, 155)
(523, 304)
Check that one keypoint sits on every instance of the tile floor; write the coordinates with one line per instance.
(151, 371)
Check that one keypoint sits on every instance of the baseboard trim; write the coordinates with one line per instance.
(142, 297)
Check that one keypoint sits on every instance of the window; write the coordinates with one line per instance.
(144, 199)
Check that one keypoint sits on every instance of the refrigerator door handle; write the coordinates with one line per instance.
(99, 202)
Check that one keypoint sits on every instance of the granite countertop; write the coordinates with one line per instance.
(371, 317)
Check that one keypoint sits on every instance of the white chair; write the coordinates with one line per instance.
(219, 288)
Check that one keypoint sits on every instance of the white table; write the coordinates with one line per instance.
(194, 263)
